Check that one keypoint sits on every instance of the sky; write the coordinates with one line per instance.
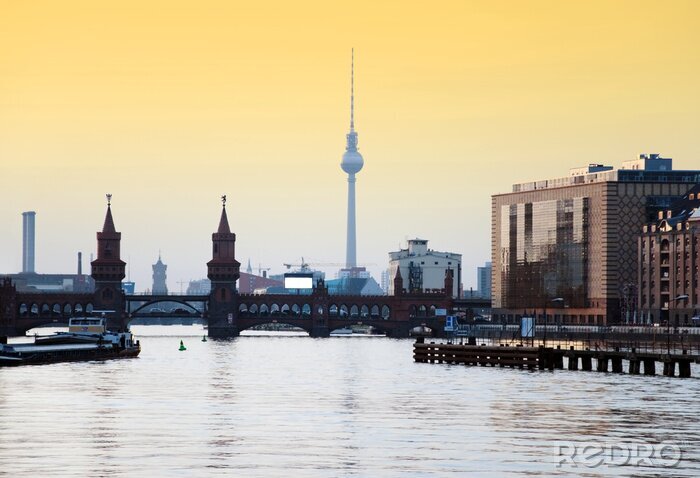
(169, 105)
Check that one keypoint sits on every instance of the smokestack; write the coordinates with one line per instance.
(28, 233)
(80, 263)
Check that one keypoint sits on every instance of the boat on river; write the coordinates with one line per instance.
(87, 339)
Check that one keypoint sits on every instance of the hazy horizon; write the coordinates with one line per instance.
(170, 105)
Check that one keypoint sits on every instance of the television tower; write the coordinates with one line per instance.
(352, 164)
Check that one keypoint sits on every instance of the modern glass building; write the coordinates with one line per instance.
(575, 238)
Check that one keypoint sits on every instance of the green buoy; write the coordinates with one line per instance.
(182, 346)
(204, 338)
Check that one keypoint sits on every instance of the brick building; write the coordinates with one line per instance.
(668, 272)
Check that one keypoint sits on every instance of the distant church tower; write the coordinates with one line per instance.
(223, 270)
(108, 269)
(352, 164)
(160, 287)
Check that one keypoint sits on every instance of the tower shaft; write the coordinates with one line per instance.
(351, 252)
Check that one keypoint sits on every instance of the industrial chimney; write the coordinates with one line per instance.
(28, 242)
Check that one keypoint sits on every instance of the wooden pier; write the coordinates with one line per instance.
(551, 358)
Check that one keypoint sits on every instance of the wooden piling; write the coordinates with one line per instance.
(586, 362)
(634, 366)
(649, 366)
(602, 360)
(616, 362)
(669, 367)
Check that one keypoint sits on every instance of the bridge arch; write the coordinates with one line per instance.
(354, 311)
(386, 312)
(295, 309)
(344, 311)
(364, 311)
(158, 301)
(374, 312)
(78, 309)
(306, 326)
(264, 310)
(285, 309)
(333, 310)
(306, 310)
(67, 310)
(253, 309)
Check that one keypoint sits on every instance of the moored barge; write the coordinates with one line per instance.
(87, 339)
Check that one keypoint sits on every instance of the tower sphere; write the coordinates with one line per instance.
(352, 162)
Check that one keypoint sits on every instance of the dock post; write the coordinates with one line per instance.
(558, 358)
(634, 366)
(684, 368)
(541, 358)
(602, 363)
(616, 364)
(669, 367)
(551, 359)
(649, 366)
(586, 363)
(573, 359)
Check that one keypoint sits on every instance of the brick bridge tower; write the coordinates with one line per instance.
(108, 272)
(8, 309)
(223, 272)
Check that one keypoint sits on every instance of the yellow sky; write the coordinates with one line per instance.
(170, 104)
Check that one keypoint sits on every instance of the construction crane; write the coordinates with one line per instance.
(305, 265)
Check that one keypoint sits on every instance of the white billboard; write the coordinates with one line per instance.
(298, 281)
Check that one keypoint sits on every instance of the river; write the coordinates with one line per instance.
(348, 406)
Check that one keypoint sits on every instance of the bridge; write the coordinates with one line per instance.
(226, 311)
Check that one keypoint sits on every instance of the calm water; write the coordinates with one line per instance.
(345, 406)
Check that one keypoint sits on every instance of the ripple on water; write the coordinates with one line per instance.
(296, 406)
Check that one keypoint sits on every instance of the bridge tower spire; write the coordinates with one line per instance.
(108, 270)
(223, 271)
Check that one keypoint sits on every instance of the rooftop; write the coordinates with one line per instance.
(646, 168)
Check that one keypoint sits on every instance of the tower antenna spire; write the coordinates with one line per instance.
(352, 90)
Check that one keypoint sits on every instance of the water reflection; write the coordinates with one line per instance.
(271, 406)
